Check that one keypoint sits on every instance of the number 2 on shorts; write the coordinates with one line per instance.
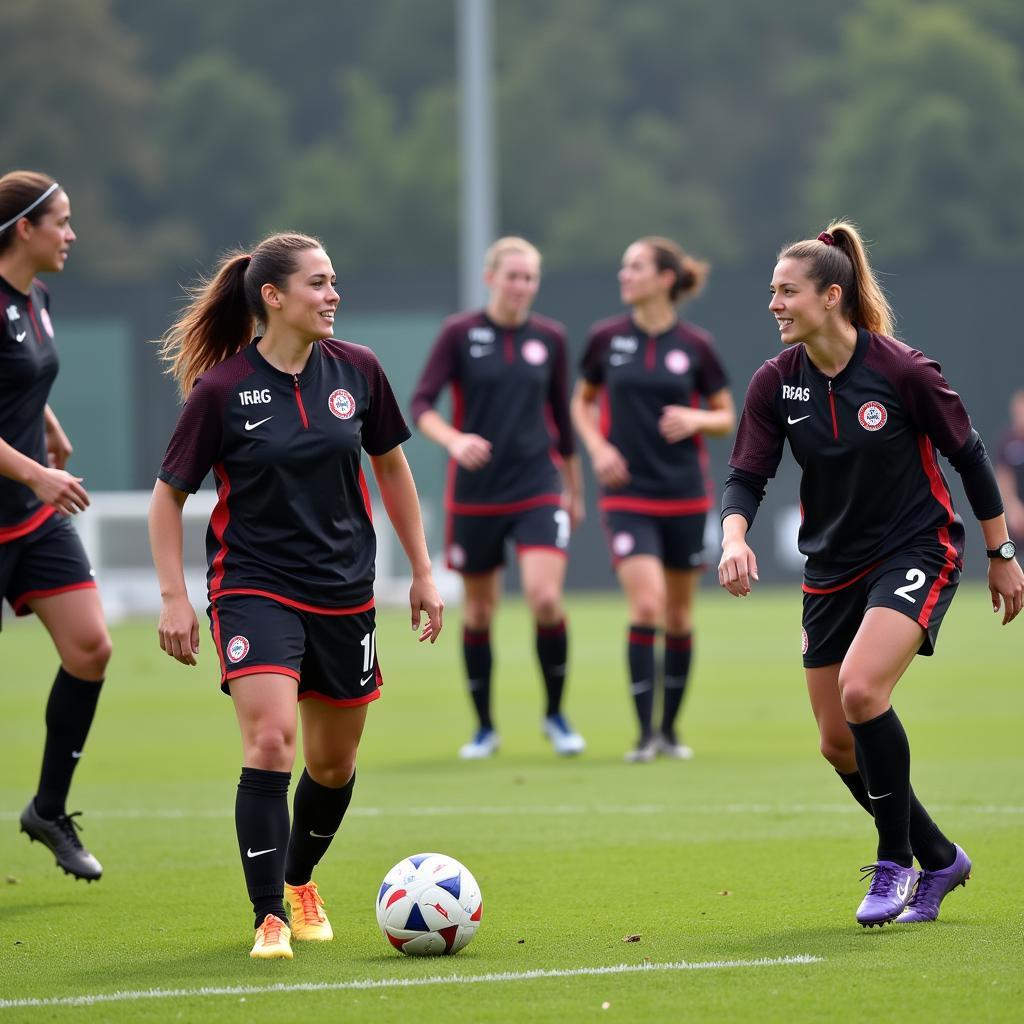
(917, 579)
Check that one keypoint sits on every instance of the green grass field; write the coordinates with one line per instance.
(738, 871)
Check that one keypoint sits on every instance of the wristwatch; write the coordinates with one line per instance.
(1005, 551)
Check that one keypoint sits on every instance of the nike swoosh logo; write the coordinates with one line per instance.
(617, 359)
(363, 682)
(799, 419)
(76, 754)
(253, 426)
(903, 888)
(21, 337)
(317, 835)
(250, 853)
(871, 796)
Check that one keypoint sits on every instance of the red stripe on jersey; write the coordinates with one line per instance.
(215, 619)
(655, 506)
(840, 586)
(510, 507)
(606, 414)
(365, 492)
(510, 349)
(219, 519)
(940, 492)
(27, 526)
(943, 579)
(832, 406)
(20, 604)
(298, 400)
(652, 347)
(302, 606)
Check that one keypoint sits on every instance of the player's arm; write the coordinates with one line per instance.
(54, 487)
(178, 628)
(402, 504)
(741, 496)
(58, 447)
(679, 422)
(610, 468)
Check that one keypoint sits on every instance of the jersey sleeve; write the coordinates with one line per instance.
(384, 426)
(196, 442)
(442, 367)
(711, 376)
(558, 400)
(759, 437)
(933, 405)
(592, 364)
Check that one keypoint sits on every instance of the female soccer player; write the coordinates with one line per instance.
(43, 567)
(281, 420)
(638, 410)
(864, 415)
(507, 370)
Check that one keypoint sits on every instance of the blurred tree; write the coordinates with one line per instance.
(926, 144)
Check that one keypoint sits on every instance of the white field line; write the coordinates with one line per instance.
(549, 810)
(377, 983)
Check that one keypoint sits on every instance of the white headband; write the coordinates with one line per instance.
(31, 206)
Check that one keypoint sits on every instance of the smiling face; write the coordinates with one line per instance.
(47, 242)
(308, 301)
(639, 277)
(513, 282)
(799, 308)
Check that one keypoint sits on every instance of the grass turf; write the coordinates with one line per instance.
(749, 852)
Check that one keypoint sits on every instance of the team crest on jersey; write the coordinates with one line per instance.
(535, 352)
(804, 642)
(342, 404)
(677, 361)
(12, 313)
(44, 315)
(237, 649)
(456, 556)
(872, 416)
(622, 544)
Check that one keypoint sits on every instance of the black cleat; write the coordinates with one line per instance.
(60, 836)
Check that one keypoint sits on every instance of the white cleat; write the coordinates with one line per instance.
(564, 738)
(644, 752)
(484, 744)
(674, 750)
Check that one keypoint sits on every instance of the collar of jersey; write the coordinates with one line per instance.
(499, 328)
(309, 371)
(638, 330)
(859, 352)
(16, 294)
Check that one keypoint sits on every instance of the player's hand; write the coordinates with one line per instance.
(737, 571)
(677, 423)
(610, 468)
(424, 599)
(178, 630)
(470, 451)
(1006, 585)
(60, 490)
(58, 447)
(575, 505)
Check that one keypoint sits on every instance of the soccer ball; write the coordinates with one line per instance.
(429, 905)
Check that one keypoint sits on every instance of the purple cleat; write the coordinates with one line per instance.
(933, 887)
(889, 892)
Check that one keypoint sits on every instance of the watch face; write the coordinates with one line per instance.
(1007, 550)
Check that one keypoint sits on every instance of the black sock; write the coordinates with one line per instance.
(678, 654)
(641, 675)
(883, 755)
(315, 809)
(261, 823)
(552, 653)
(931, 848)
(69, 713)
(476, 649)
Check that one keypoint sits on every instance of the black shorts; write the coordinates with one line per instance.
(50, 560)
(678, 541)
(476, 544)
(919, 582)
(332, 657)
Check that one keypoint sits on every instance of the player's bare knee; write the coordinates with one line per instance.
(838, 753)
(334, 774)
(861, 700)
(647, 612)
(546, 605)
(88, 658)
(477, 615)
(271, 748)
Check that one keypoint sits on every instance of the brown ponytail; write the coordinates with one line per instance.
(225, 310)
(691, 274)
(839, 256)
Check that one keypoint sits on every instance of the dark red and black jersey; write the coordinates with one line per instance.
(510, 386)
(292, 520)
(640, 375)
(866, 442)
(28, 368)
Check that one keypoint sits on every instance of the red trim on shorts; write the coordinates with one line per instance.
(508, 508)
(28, 525)
(255, 670)
(839, 586)
(219, 519)
(302, 607)
(20, 604)
(353, 702)
(655, 506)
(523, 548)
